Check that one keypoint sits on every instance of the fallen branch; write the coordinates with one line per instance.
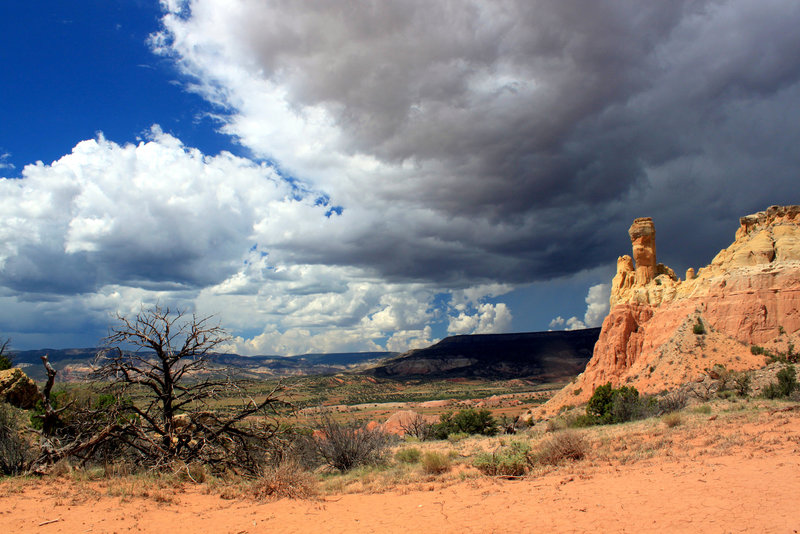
(786, 409)
(43, 523)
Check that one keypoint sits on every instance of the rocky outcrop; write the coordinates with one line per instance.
(749, 294)
(17, 389)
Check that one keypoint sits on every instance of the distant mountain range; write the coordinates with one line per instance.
(545, 356)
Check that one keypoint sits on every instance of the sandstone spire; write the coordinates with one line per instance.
(632, 282)
(643, 239)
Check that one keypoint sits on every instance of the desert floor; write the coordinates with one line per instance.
(736, 469)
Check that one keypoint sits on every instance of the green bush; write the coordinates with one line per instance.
(609, 405)
(600, 403)
(699, 328)
(408, 456)
(785, 386)
(469, 421)
(508, 461)
(6, 359)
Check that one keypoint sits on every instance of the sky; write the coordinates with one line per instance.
(375, 175)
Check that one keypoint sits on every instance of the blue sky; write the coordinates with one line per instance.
(363, 177)
(74, 72)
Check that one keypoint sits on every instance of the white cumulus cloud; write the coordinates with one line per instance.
(596, 310)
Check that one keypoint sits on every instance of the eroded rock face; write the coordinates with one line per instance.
(17, 389)
(749, 294)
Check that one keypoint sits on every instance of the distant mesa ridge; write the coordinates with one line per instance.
(542, 356)
(749, 294)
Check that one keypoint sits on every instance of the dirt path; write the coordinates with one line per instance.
(746, 482)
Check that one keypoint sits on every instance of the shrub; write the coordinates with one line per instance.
(348, 445)
(580, 421)
(15, 451)
(625, 404)
(555, 424)
(435, 463)
(6, 358)
(672, 420)
(286, 480)
(469, 421)
(723, 376)
(5, 363)
(785, 386)
(704, 390)
(455, 437)
(791, 355)
(673, 401)
(508, 461)
(600, 403)
(418, 428)
(608, 405)
(741, 383)
(567, 445)
(408, 456)
(699, 328)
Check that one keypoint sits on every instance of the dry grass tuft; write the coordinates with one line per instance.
(161, 489)
(565, 445)
(672, 420)
(288, 480)
(435, 463)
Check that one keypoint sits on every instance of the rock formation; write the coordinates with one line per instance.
(749, 294)
(17, 389)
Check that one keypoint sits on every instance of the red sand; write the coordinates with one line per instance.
(745, 479)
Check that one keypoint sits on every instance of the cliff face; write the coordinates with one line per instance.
(749, 294)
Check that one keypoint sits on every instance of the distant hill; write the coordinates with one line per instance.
(74, 364)
(542, 356)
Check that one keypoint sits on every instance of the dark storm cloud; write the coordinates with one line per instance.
(537, 130)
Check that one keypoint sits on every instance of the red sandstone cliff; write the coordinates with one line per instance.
(749, 294)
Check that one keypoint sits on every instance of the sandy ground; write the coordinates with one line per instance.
(727, 472)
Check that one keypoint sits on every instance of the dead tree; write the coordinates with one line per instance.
(416, 426)
(168, 370)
